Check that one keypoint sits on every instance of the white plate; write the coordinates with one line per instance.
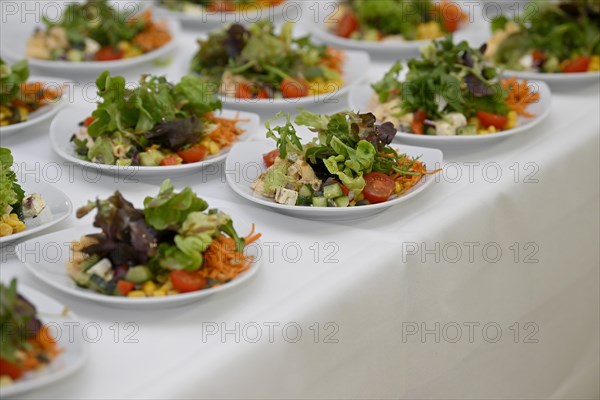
(245, 164)
(356, 65)
(14, 43)
(65, 124)
(361, 95)
(54, 273)
(210, 20)
(75, 349)
(398, 49)
(58, 207)
(558, 78)
(41, 114)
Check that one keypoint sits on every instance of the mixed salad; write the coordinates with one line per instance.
(557, 38)
(18, 97)
(95, 31)
(15, 206)
(449, 91)
(26, 344)
(259, 63)
(155, 123)
(172, 245)
(215, 6)
(394, 20)
(349, 163)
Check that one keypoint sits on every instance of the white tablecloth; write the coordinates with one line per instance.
(486, 286)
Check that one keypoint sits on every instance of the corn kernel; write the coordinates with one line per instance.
(19, 228)
(594, 64)
(136, 293)
(398, 187)
(5, 229)
(172, 292)
(159, 293)
(167, 286)
(149, 288)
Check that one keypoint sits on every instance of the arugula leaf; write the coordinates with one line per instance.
(285, 136)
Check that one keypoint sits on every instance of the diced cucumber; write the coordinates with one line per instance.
(138, 274)
(98, 284)
(304, 196)
(75, 55)
(466, 130)
(90, 262)
(342, 201)
(319, 202)
(332, 191)
(81, 279)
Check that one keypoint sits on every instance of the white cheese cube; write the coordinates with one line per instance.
(286, 196)
(33, 205)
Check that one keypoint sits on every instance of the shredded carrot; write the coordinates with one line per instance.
(34, 95)
(408, 181)
(519, 95)
(226, 131)
(154, 35)
(334, 59)
(41, 345)
(221, 260)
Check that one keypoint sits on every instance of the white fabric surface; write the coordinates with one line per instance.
(376, 288)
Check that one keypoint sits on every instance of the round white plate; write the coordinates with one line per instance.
(66, 124)
(41, 114)
(324, 11)
(558, 78)
(210, 20)
(14, 43)
(75, 349)
(245, 164)
(356, 65)
(58, 207)
(361, 95)
(53, 272)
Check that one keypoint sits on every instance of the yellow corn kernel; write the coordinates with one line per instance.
(429, 30)
(123, 45)
(512, 120)
(172, 292)
(398, 187)
(594, 64)
(360, 197)
(159, 293)
(5, 229)
(167, 286)
(149, 288)
(19, 227)
(136, 293)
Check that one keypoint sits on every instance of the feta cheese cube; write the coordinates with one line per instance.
(286, 196)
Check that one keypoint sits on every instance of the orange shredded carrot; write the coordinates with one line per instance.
(34, 95)
(519, 95)
(154, 34)
(408, 181)
(42, 344)
(226, 131)
(221, 260)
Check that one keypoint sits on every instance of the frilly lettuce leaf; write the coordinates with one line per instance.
(169, 209)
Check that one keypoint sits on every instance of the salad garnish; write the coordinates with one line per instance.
(213, 6)
(18, 97)
(395, 20)
(155, 123)
(15, 206)
(26, 344)
(451, 90)
(172, 245)
(95, 31)
(349, 163)
(257, 63)
(558, 38)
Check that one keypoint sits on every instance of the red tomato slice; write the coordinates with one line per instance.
(173, 159)
(243, 91)
(379, 187)
(348, 25)
(344, 189)
(292, 88)
(109, 53)
(269, 158)
(193, 154)
(488, 119)
(262, 94)
(125, 287)
(578, 64)
(10, 369)
(187, 281)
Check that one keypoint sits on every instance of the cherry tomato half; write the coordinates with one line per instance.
(109, 53)
(292, 88)
(187, 281)
(578, 64)
(269, 158)
(488, 119)
(10, 369)
(348, 25)
(193, 154)
(379, 187)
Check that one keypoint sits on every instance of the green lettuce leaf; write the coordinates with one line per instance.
(169, 209)
(11, 193)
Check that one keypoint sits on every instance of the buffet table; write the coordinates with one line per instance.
(484, 286)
